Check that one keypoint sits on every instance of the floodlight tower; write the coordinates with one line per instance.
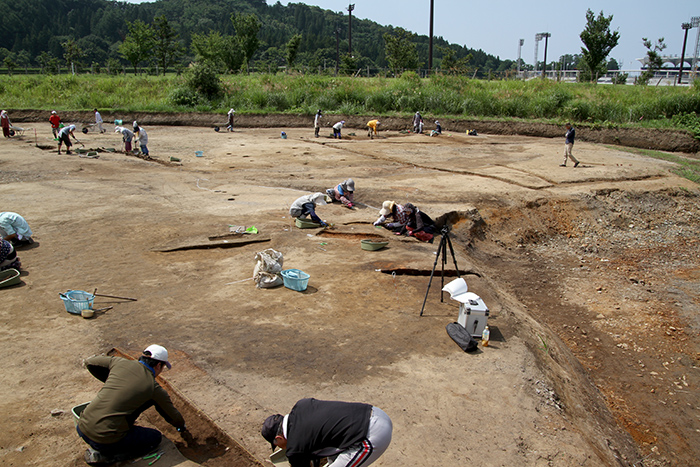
(684, 27)
(350, 8)
(695, 22)
(520, 47)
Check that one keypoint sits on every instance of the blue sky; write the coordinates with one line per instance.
(495, 26)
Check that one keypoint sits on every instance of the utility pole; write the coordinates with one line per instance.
(520, 47)
(337, 50)
(546, 36)
(685, 27)
(350, 8)
(430, 43)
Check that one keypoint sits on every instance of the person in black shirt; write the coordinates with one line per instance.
(347, 433)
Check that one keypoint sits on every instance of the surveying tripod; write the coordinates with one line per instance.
(441, 252)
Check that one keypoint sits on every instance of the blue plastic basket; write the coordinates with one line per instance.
(77, 300)
(295, 279)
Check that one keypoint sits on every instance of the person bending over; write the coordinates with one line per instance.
(346, 433)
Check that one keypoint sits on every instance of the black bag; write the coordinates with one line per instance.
(462, 337)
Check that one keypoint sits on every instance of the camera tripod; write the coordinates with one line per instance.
(441, 253)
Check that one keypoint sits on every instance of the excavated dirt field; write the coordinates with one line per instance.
(591, 276)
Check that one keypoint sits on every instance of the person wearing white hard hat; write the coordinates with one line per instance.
(343, 192)
(107, 424)
(336, 129)
(55, 122)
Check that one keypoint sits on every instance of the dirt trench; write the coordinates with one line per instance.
(610, 278)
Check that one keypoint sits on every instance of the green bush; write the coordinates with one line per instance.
(184, 96)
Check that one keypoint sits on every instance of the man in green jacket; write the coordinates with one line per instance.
(107, 424)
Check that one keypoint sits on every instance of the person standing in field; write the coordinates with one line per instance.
(5, 122)
(568, 145)
(98, 121)
(417, 119)
(317, 123)
(55, 121)
(229, 122)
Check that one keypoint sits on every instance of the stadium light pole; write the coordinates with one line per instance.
(430, 42)
(685, 27)
(351, 7)
(520, 47)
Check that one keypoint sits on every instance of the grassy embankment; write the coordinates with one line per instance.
(447, 96)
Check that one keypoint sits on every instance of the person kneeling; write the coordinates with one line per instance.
(107, 424)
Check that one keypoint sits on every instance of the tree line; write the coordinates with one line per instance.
(101, 34)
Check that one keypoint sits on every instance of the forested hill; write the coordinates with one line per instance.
(30, 27)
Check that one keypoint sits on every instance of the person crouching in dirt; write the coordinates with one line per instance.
(343, 192)
(419, 225)
(142, 137)
(55, 122)
(5, 123)
(8, 256)
(306, 206)
(336, 129)
(64, 136)
(127, 136)
(317, 123)
(398, 214)
(229, 122)
(346, 433)
(438, 129)
(107, 424)
(15, 229)
(372, 128)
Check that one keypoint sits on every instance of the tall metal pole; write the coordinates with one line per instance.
(685, 27)
(350, 8)
(695, 22)
(544, 64)
(520, 47)
(430, 42)
(337, 50)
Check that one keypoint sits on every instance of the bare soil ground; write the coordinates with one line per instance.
(590, 274)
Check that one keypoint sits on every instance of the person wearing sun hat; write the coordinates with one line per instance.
(343, 192)
(399, 214)
(107, 424)
(346, 433)
(306, 206)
